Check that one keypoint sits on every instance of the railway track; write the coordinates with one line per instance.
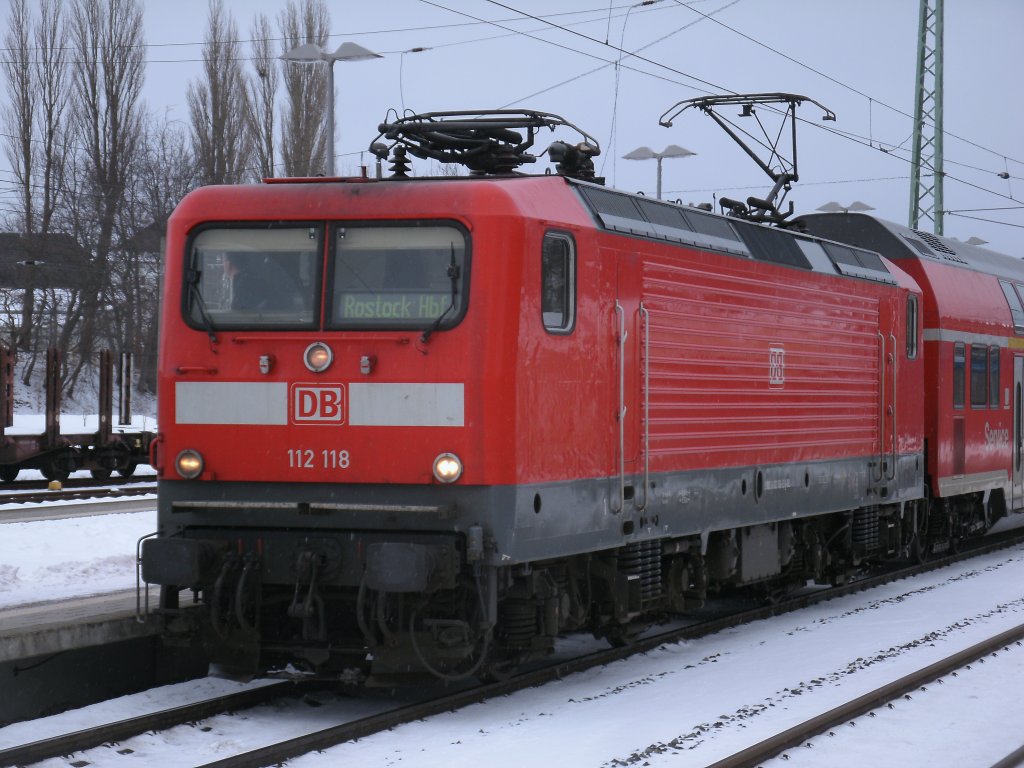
(885, 695)
(360, 727)
(76, 490)
(45, 749)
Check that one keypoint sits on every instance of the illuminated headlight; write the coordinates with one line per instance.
(447, 468)
(318, 357)
(189, 464)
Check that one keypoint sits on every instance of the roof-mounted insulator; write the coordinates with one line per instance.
(399, 163)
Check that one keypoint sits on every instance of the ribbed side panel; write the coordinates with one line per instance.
(743, 362)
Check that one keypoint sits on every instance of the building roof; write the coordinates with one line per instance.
(55, 260)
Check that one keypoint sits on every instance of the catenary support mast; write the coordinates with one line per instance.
(926, 165)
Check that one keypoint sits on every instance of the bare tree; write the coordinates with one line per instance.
(19, 115)
(166, 172)
(106, 39)
(262, 95)
(19, 118)
(36, 136)
(51, 67)
(304, 142)
(218, 104)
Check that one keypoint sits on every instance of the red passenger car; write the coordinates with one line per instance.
(446, 419)
(973, 323)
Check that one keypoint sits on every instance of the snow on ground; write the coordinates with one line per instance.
(687, 704)
(55, 559)
(77, 424)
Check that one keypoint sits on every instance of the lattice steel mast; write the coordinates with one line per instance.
(926, 164)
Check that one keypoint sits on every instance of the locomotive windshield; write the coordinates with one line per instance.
(248, 277)
(397, 277)
(378, 277)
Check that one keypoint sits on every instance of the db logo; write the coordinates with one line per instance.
(776, 367)
(318, 403)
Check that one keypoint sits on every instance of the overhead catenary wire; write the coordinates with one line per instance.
(865, 141)
(714, 86)
(624, 56)
(351, 33)
(831, 79)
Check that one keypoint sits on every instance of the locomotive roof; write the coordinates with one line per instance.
(688, 225)
(896, 242)
(623, 213)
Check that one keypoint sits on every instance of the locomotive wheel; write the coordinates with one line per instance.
(475, 660)
(8, 473)
(100, 474)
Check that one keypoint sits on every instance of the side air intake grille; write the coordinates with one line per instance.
(938, 246)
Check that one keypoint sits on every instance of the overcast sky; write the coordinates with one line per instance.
(857, 58)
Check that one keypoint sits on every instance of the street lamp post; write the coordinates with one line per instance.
(310, 53)
(646, 153)
(833, 207)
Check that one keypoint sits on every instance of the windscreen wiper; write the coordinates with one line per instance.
(453, 273)
(192, 278)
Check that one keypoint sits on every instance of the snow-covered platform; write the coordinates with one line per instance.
(47, 628)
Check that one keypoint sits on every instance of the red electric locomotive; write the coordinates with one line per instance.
(418, 425)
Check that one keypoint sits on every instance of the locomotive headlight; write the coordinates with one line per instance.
(318, 357)
(189, 464)
(447, 468)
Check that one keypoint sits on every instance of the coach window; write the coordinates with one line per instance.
(959, 359)
(911, 326)
(993, 377)
(558, 282)
(979, 376)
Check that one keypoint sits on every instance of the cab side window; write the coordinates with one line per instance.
(1016, 308)
(558, 282)
(911, 326)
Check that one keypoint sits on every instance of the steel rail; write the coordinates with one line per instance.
(79, 482)
(44, 497)
(65, 744)
(1012, 760)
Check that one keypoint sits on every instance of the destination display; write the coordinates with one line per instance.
(392, 306)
